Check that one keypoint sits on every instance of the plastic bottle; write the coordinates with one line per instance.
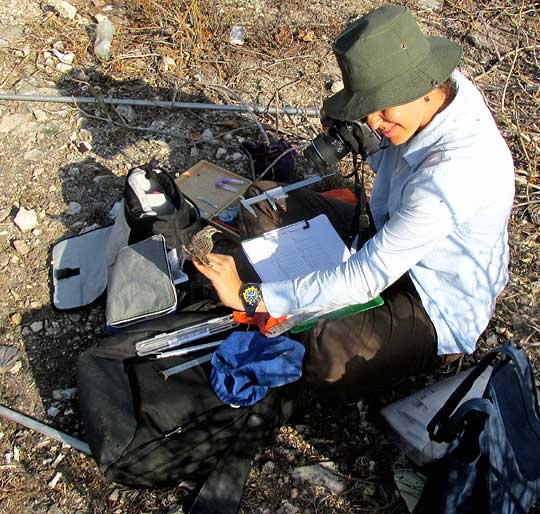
(104, 35)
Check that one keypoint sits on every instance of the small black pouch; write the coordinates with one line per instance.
(154, 204)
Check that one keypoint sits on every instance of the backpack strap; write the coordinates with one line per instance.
(222, 491)
(439, 429)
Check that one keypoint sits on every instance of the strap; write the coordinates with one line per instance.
(438, 428)
(222, 491)
(361, 223)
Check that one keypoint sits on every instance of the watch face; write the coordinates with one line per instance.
(251, 294)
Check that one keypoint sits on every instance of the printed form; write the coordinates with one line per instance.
(296, 250)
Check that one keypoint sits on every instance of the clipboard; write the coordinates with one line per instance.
(296, 250)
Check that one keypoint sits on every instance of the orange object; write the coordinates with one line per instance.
(344, 194)
(262, 319)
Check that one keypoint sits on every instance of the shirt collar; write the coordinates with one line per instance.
(417, 148)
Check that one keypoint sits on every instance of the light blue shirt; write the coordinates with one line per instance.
(441, 204)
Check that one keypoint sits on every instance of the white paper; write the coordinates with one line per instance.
(296, 250)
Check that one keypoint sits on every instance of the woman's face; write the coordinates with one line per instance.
(398, 124)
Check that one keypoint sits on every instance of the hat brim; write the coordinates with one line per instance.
(441, 61)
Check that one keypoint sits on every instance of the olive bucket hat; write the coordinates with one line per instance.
(385, 61)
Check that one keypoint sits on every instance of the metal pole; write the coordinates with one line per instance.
(44, 429)
(257, 109)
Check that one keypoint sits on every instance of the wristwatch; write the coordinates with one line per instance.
(251, 296)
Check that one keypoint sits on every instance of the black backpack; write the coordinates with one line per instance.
(145, 431)
(177, 220)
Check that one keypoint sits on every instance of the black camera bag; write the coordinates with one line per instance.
(145, 431)
(177, 226)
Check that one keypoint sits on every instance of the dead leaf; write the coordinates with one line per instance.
(307, 35)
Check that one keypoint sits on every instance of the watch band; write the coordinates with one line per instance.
(251, 296)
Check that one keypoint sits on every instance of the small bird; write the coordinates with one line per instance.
(201, 244)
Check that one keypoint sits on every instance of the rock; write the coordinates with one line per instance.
(207, 135)
(10, 34)
(33, 155)
(220, 153)
(336, 86)
(127, 112)
(53, 411)
(477, 40)
(63, 68)
(434, 5)
(66, 58)
(268, 467)
(228, 136)
(63, 8)
(323, 474)
(26, 220)
(65, 394)
(9, 356)
(4, 213)
(194, 152)
(21, 247)
(237, 35)
(41, 116)
(4, 260)
(16, 318)
(9, 122)
(73, 208)
(237, 156)
(36, 326)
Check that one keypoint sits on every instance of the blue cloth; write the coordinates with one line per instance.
(441, 203)
(247, 364)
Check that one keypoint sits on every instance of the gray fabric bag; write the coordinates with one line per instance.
(140, 285)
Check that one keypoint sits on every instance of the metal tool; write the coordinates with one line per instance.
(279, 192)
(188, 350)
(166, 373)
(168, 340)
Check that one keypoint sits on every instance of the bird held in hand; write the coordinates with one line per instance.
(201, 244)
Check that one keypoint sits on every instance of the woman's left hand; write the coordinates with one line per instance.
(224, 277)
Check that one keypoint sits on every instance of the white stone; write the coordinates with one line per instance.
(336, 86)
(66, 58)
(220, 153)
(41, 116)
(21, 247)
(63, 68)
(323, 474)
(8, 122)
(26, 220)
(435, 5)
(194, 152)
(237, 156)
(207, 135)
(73, 208)
(33, 155)
(63, 8)
(10, 34)
(65, 394)
(36, 326)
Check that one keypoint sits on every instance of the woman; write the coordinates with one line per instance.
(441, 202)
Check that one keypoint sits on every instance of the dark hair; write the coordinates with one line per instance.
(448, 87)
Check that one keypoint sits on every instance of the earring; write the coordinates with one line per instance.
(427, 98)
